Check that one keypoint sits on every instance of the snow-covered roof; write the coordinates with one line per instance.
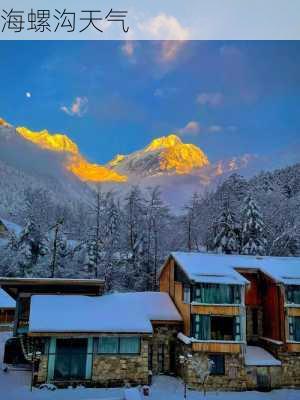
(119, 312)
(6, 301)
(205, 268)
(221, 268)
(259, 357)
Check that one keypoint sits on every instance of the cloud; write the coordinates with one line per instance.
(215, 128)
(128, 48)
(170, 49)
(28, 95)
(210, 99)
(191, 128)
(77, 108)
(167, 27)
(165, 92)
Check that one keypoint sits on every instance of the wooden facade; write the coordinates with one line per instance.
(216, 347)
(175, 289)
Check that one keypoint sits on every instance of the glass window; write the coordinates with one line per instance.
(217, 294)
(293, 294)
(201, 327)
(186, 294)
(218, 364)
(108, 345)
(129, 345)
(294, 328)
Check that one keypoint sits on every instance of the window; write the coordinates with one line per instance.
(293, 294)
(210, 293)
(129, 345)
(119, 345)
(211, 327)
(186, 294)
(218, 366)
(108, 345)
(294, 328)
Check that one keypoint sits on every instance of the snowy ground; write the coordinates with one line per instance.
(14, 385)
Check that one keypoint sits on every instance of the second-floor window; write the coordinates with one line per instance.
(294, 329)
(293, 294)
(217, 294)
(186, 294)
(213, 327)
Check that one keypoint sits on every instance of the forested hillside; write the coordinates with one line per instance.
(125, 240)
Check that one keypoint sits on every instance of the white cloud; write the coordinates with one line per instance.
(28, 95)
(165, 26)
(215, 128)
(128, 48)
(77, 108)
(191, 128)
(165, 92)
(171, 30)
(210, 99)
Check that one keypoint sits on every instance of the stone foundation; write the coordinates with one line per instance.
(290, 369)
(117, 370)
(234, 378)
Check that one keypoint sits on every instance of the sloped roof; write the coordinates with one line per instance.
(221, 268)
(120, 312)
(257, 356)
(6, 301)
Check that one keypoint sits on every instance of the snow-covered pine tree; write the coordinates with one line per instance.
(190, 225)
(30, 247)
(227, 232)
(253, 229)
(157, 218)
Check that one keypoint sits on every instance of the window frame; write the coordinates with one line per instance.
(186, 294)
(118, 352)
(222, 356)
(235, 293)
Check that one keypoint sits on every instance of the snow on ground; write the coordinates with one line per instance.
(260, 357)
(14, 385)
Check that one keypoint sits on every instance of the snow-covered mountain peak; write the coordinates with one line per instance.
(166, 155)
(164, 142)
(45, 140)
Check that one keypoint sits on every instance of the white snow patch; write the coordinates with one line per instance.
(184, 339)
(257, 356)
(120, 312)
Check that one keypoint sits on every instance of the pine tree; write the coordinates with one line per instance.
(227, 235)
(254, 229)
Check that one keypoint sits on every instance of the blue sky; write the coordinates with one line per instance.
(229, 98)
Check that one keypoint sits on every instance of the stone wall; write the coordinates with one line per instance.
(269, 377)
(235, 377)
(118, 370)
(41, 375)
(290, 369)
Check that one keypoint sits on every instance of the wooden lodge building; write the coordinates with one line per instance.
(240, 312)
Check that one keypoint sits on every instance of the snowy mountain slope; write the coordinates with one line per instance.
(166, 155)
(24, 166)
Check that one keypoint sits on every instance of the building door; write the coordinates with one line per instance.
(70, 359)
